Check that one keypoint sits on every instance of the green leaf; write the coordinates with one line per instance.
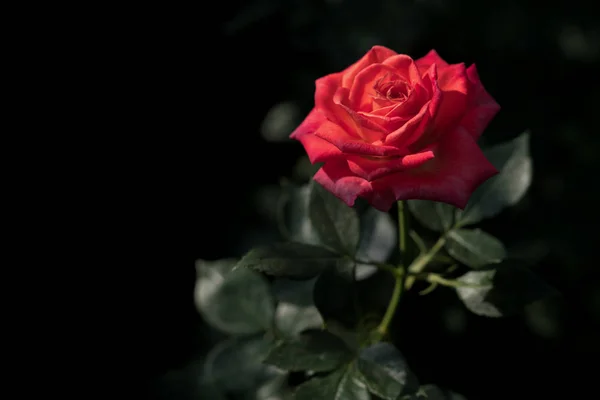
(236, 302)
(294, 221)
(374, 292)
(188, 382)
(342, 384)
(474, 247)
(348, 336)
(275, 389)
(377, 240)
(432, 392)
(294, 291)
(280, 121)
(266, 200)
(296, 310)
(504, 291)
(336, 224)
(290, 260)
(385, 371)
(335, 294)
(513, 161)
(235, 365)
(313, 350)
(434, 215)
(304, 170)
(292, 319)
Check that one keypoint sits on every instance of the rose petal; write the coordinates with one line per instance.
(362, 90)
(367, 129)
(311, 123)
(410, 107)
(405, 66)
(430, 80)
(337, 136)
(326, 88)
(317, 149)
(374, 168)
(453, 78)
(339, 180)
(453, 83)
(458, 168)
(377, 54)
(390, 124)
(418, 128)
(409, 131)
(424, 63)
(480, 105)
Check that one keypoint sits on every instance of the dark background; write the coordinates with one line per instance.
(229, 67)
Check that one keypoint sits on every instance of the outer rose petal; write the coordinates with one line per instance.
(374, 167)
(317, 149)
(337, 136)
(458, 168)
(339, 180)
(453, 82)
(481, 107)
(326, 87)
(432, 57)
(377, 54)
(311, 123)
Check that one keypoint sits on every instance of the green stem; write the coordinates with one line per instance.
(428, 289)
(418, 241)
(444, 259)
(399, 273)
(403, 232)
(392, 306)
(421, 262)
(437, 279)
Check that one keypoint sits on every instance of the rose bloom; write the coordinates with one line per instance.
(390, 128)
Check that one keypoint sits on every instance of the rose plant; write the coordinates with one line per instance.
(310, 317)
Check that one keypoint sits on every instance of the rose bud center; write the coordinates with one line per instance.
(396, 91)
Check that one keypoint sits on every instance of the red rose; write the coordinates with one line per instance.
(388, 128)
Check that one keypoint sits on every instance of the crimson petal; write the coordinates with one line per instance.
(481, 106)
